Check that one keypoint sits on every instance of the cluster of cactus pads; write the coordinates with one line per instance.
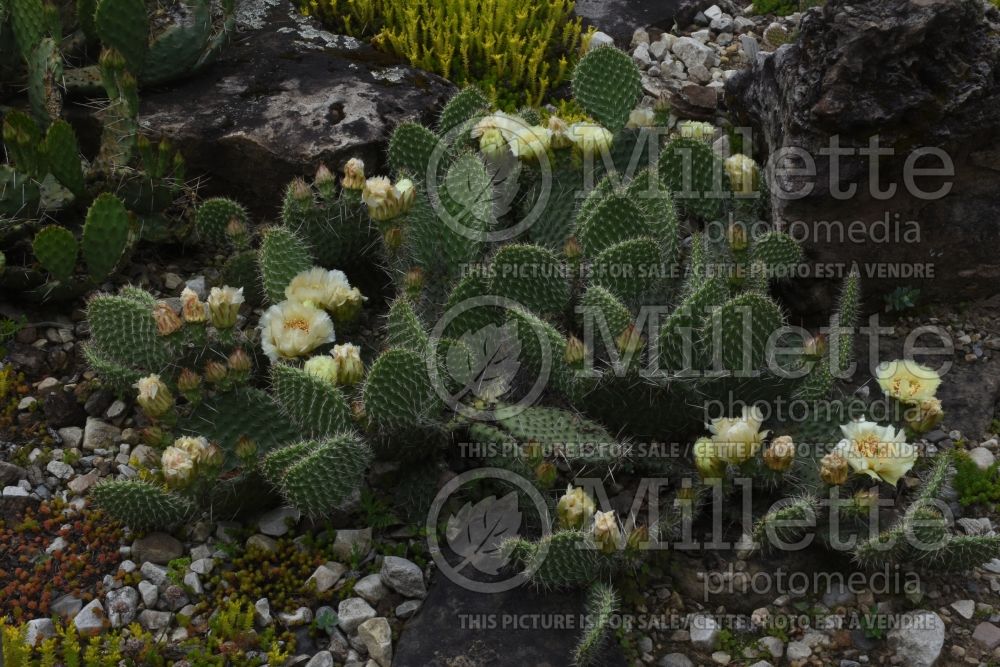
(56, 205)
(630, 260)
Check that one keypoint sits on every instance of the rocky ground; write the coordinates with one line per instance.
(352, 592)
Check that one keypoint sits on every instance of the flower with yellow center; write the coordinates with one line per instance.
(354, 174)
(177, 465)
(575, 508)
(907, 381)
(738, 439)
(744, 175)
(350, 368)
(641, 117)
(590, 138)
(607, 534)
(224, 306)
(692, 129)
(154, 397)
(291, 329)
(880, 452)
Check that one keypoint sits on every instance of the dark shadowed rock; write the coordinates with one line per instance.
(62, 409)
(285, 97)
(452, 628)
(620, 18)
(917, 73)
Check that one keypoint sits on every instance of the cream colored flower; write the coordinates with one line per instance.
(195, 447)
(590, 138)
(641, 117)
(607, 534)
(736, 440)
(877, 451)
(743, 172)
(692, 129)
(154, 397)
(386, 201)
(575, 508)
(350, 368)
(504, 123)
(924, 416)
(492, 143)
(224, 306)
(531, 142)
(322, 366)
(192, 307)
(907, 381)
(177, 465)
(833, 469)
(291, 329)
(354, 174)
(319, 288)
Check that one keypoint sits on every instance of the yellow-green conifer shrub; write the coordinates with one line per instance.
(516, 52)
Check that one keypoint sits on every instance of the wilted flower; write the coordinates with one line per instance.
(323, 367)
(590, 138)
(607, 534)
(575, 508)
(907, 381)
(192, 307)
(154, 397)
(833, 469)
(924, 416)
(354, 174)
(350, 368)
(706, 459)
(780, 456)
(224, 306)
(290, 329)
(738, 439)
(177, 465)
(641, 117)
(692, 129)
(215, 372)
(877, 451)
(576, 351)
(743, 172)
(167, 321)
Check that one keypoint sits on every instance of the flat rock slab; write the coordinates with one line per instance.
(620, 18)
(453, 627)
(285, 97)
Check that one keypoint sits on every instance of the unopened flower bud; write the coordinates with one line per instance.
(213, 456)
(492, 143)
(575, 508)
(300, 191)
(236, 230)
(576, 351)
(153, 436)
(407, 194)
(167, 321)
(637, 538)
(572, 249)
(630, 341)
(154, 397)
(224, 306)
(707, 460)
(414, 281)
(239, 365)
(815, 348)
(245, 448)
(780, 456)
(350, 368)
(833, 469)
(323, 367)
(865, 500)
(354, 175)
(607, 534)
(189, 384)
(545, 474)
(744, 175)
(358, 412)
(192, 307)
(393, 238)
(325, 182)
(736, 234)
(215, 372)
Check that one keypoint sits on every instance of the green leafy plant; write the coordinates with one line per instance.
(975, 485)
(901, 299)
